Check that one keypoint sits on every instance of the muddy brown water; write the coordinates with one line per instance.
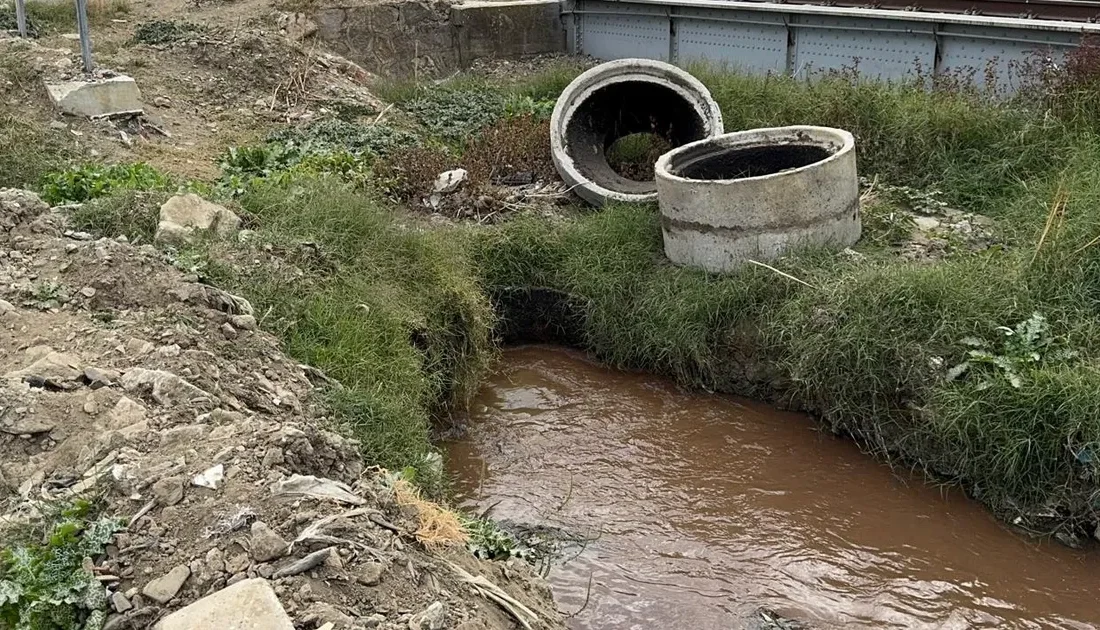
(708, 507)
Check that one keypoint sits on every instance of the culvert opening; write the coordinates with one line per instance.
(711, 162)
(624, 109)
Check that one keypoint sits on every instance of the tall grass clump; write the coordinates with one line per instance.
(392, 312)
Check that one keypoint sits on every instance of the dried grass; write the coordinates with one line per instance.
(437, 527)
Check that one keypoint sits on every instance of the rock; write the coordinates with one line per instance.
(265, 544)
(164, 588)
(210, 478)
(6, 307)
(165, 387)
(374, 620)
(58, 125)
(926, 224)
(88, 292)
(54, 366)
(186, 434)
(168, 491)
(215, 561)
(243, 322)
(125, 413)
(431, 618)
(99, 98)
(135, 347)
(27, 425)
(236, 577)
(371, 574)
(183, 217)
(228, 331)
(163, 102)
(273, 457)
(245, 605)
(297, 26)
(97, 377)
(449, 181)
(329, 614)
(120, 603)
(237, 563)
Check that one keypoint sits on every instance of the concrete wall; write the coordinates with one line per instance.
(425, 38)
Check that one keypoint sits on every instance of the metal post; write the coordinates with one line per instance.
(21, 17)
(85, 37)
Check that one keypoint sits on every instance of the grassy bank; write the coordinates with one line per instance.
(979, 365)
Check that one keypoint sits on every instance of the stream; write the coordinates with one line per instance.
(701, 509)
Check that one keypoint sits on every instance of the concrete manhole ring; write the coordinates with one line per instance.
(620, 98)
(753, 195)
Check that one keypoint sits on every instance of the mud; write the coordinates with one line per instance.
(705, 509)
(752, 162)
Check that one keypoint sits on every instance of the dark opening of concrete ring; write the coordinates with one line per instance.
(711, 162)
(622, 109)
(634, 155)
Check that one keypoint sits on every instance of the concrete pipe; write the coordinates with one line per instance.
(617, 99)
(753, 195)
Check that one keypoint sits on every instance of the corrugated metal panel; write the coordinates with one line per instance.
(982, 53)
(755, 42)
(615, 30)
(883, 49)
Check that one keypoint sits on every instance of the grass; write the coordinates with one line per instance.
(46, 17)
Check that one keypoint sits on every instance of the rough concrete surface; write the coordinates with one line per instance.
(97, 98)
(246, 605)
(754, 195)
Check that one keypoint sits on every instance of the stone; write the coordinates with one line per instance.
(18, 206)
(215, 560)
(327, 613)
(371, 574)
(98, 377)
(273, 457)
(88, 292)
(431, 618)
(210, 478)
(120, 603)
(184, 217)
(6, 307)
(125, 413)
(265, 544)
(297, 26)
(228, 331)
(187, 434)
(244, 605)
(236, 577)
(237, 563)
(133, 431)
(98, 98)
(165, 387)
(243, 322)
(164, 588)
(27, 425)
(449, 181)
(374, 620)
(54, 366)
(168, 491)
(162, 102)
(137, 347)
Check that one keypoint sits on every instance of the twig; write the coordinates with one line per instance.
(142, 512)
(587, 595)
(1057, 210)
(1087, 245)
(785, 275)
(381, 114)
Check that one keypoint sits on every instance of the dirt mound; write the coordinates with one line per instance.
(125, 378)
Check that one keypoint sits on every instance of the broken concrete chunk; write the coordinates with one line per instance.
(184, 217)
(431, 618)
(116, 96)
(164, 588)
(210, 478)
(54, 366)
(125, 413)
(246, 605)
(266, 545)
(168, 491)
(165, 387)
(26, 425)
(318, 488)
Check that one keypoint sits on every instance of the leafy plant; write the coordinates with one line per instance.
(523, 105)
(1026, 345)
(455, 114)
(44, 584)
(90, 181)
(489, 542)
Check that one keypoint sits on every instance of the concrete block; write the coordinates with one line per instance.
(97, 98)
(246, 605)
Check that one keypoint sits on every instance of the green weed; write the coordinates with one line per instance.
(90, 181)
(43, 582)
(163, 31)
